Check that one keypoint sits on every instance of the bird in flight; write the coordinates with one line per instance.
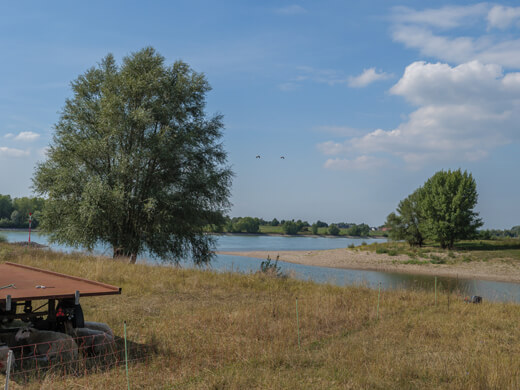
(282, 157)
(258, 156)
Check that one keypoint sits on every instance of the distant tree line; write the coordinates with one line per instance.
(491, 234)
(14, 213)
(290, 227)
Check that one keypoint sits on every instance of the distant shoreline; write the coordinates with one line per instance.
(297, 235)
(364, 260)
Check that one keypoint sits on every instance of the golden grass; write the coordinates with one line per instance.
(229, 331)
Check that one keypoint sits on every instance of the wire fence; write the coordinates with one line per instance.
(78, 356)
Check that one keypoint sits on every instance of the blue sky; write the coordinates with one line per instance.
(365, 100)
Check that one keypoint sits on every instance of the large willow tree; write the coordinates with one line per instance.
(135, 162)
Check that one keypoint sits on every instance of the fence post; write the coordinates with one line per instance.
(436, 291)
(378, 298)
(126, 360)
(298, 324)
(8, 368)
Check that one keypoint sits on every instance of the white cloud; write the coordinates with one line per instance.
(27, 136)
(502, 17)
(291, 10)
(444, 17)
(359, 163)
(367, 77)
(9, 135)
(464, 112)
(415, 29)
(331, 148)
(11, 152)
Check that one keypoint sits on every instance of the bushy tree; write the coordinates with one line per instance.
(441, 210)
(406, 225)
(314, 228)
(333, 230)
(6, 206)
(275, 222)
(135, 162)
(291, 227)
(447, 205)
(248, 225)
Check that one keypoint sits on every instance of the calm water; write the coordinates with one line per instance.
(496, 291)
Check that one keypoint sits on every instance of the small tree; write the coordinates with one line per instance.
(314, 228)
(333, 230)
(447, 206)
(291, 227)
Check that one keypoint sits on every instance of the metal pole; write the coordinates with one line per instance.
(378, 298)
(126, 360)
(436, 291)
(298, 324)
(30, 222)
(8, 368)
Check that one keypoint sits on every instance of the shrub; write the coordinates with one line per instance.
(271, 268)
(333, 230)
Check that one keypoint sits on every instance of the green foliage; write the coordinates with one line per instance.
(447, 206)
(314, 228)
(275, 222)
(248, 225)
(271, 268)
(291, 227)
(360, 230)
(406, 225)
(6, 206)
(333, 230)
(441, 210)
(321, 224)
(14, 213)
(135, 162)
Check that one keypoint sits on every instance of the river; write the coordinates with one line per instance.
(490, 290)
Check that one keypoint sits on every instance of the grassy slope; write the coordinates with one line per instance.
(216, 331)
(465, 251)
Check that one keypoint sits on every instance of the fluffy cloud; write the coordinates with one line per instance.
(10, 152)
(420, 30)
(463, 113)
(367, 77)
(503, 17)
(27, 136)
(445, 17)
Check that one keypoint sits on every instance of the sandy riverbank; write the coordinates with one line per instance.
(364, 260)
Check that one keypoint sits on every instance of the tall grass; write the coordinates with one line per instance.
(232, 331)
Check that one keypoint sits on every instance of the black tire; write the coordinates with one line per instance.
(78, 321)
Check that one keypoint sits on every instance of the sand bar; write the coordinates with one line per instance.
(499, 270)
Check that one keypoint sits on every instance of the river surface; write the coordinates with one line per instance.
(490, 290)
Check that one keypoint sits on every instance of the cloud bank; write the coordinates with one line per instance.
(463, 109)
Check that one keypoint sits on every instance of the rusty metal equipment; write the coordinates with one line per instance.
(20, 285)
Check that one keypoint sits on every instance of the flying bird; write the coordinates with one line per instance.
(257, 156)
(282, 157)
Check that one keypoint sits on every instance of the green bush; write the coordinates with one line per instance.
(333, 230)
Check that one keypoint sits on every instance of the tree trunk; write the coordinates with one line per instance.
(119, 253)
(133, 258)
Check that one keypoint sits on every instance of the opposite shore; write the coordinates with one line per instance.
(496, 269)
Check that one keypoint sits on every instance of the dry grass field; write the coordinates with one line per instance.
(213, 330)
